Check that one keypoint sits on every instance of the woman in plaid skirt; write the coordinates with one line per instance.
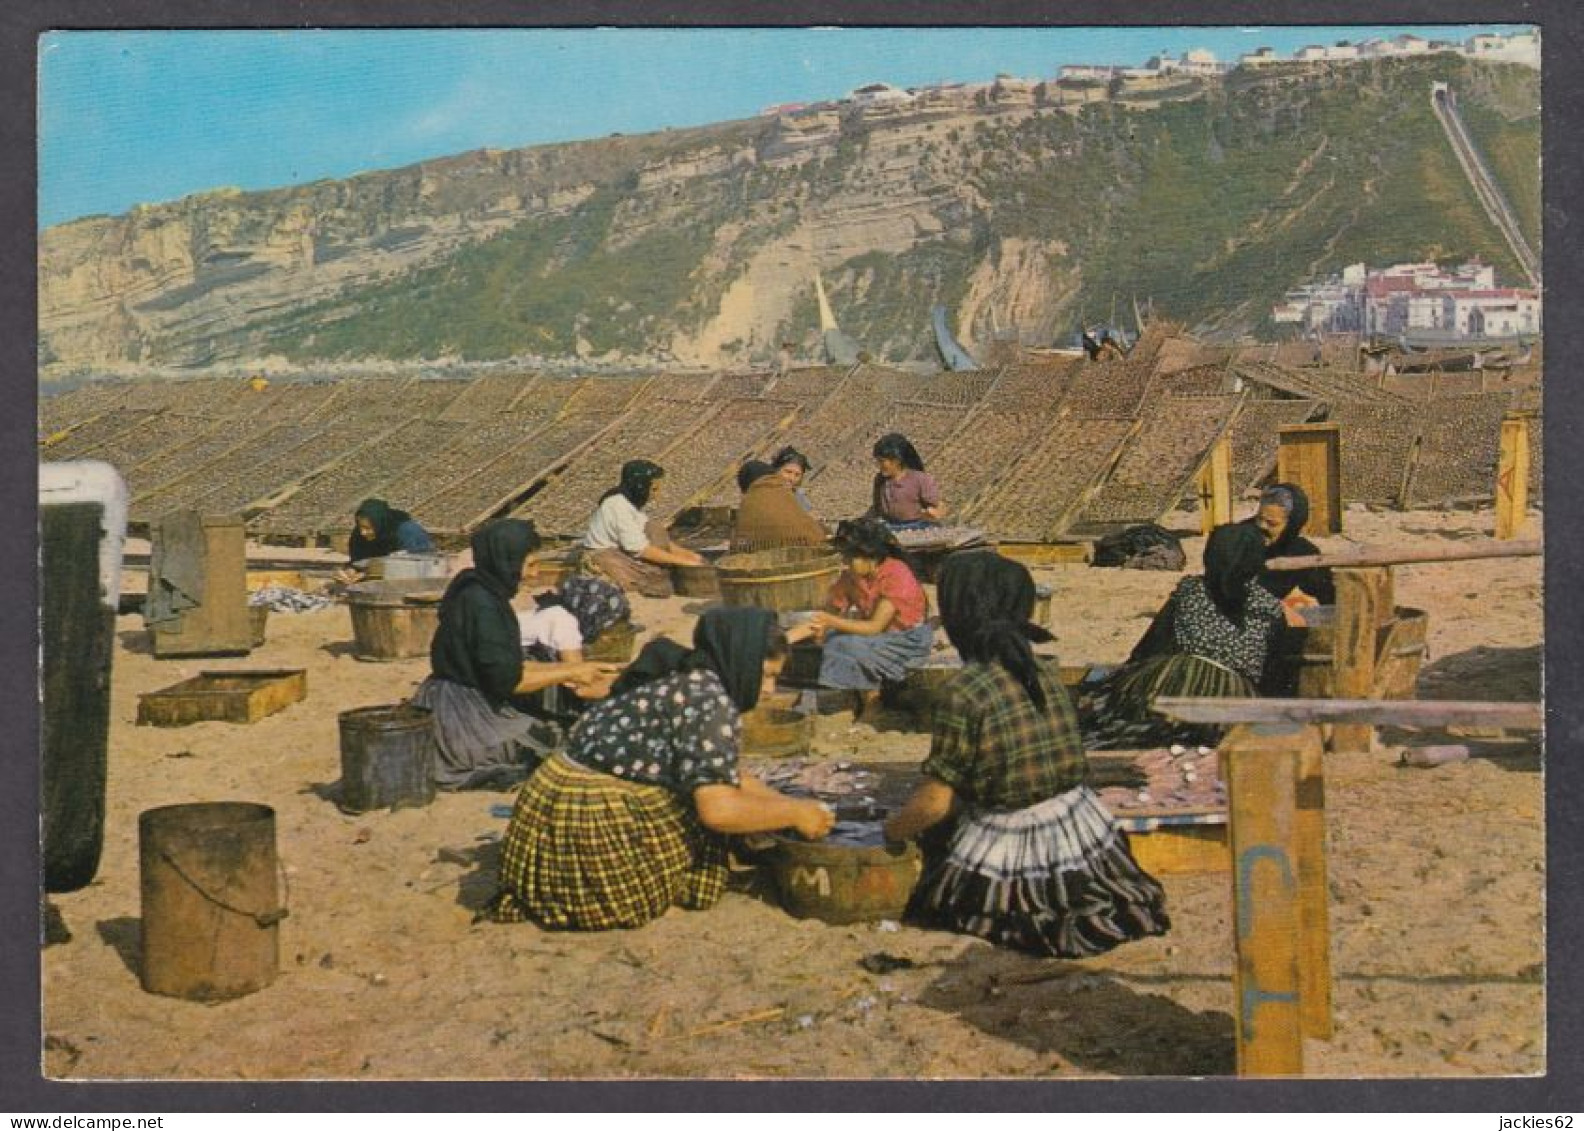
(632, 818)
(1018, 849)
(1212, 639)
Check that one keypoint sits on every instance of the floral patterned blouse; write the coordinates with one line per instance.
(1199, 628)
(680, 731)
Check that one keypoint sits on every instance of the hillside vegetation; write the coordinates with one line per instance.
(703, 244)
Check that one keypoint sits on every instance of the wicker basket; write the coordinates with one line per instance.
(782, 580)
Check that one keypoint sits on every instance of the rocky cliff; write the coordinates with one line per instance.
(1024, 209)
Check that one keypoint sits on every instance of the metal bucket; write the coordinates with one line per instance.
(210, 903)
(402, 566)
(387, 758)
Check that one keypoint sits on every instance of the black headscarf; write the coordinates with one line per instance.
(731, 642)
(751, 472)
(1318, 583)
(1233, 556)
(637, 479)
(986, 602)
(596, 603)
(896, 446)
(789, 454)
(499, 550)
(386, 521)
(477, 643)
(1291, 498)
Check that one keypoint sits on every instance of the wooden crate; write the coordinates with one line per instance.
(1046, 553)
(263, 578)
(223, 696)
(1182, 850)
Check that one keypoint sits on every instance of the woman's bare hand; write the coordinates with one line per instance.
(813, 820)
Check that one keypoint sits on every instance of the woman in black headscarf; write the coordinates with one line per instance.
(906, 497)
(1283, 511)
(1211, 639)
(1031, 859)
(624, 545)
(477, 667)
(631, 818)
(379, 529)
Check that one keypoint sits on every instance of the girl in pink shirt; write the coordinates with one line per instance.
(875, 624)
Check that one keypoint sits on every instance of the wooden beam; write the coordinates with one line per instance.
(1512, 476)
(1215, 486)
(1260, 766)
(1361, 596)
(1314, 901)
(1410, 555)
(1427, 713)
(1310, 455)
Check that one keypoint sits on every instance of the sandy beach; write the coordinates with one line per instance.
(1437, 883)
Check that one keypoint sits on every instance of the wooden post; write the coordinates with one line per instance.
(1260, 767)
(1361, 597)
(1310, 455)
(1512, 476)
(1314, 911)
(1215, 486)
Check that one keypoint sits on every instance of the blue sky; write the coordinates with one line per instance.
(140, 117)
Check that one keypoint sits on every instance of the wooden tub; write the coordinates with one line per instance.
(1302, 660)
(776, 732)
(394, 620)
(782, 580)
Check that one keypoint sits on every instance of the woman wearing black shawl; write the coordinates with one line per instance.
(379, 529)
(1031, 859)
(631, 818)
(1211, 639)
(624, 545)
(1283, 511)
(476, 667)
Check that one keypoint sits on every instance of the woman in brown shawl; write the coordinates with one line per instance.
(769, 515)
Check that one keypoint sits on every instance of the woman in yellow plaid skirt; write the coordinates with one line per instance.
(631, 819)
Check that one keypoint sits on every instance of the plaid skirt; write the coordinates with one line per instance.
(1117, 716)
(587, 851)
(1054, 879)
